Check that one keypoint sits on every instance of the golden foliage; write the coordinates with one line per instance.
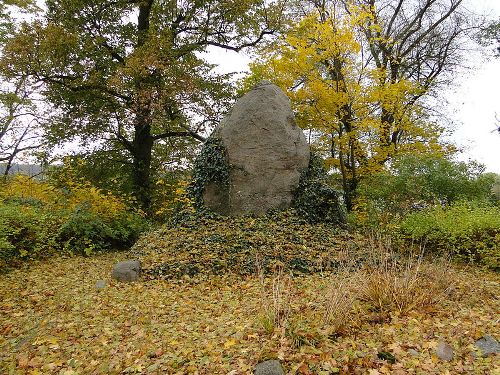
(353, 107)
(74, 193)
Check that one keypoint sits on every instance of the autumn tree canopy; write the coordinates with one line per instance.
(130, 74)
(359, 74)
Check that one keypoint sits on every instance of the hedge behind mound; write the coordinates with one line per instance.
(469, 231)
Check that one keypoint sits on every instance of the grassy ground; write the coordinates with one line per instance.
(54, 321)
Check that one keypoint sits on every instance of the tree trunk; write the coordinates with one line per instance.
(142, 145)
(141, 178)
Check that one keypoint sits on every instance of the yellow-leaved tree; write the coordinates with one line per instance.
(351, 89)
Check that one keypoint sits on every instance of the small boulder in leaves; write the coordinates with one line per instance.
(100, 285)
(270, 367)
(488, 345)
(127, 271)
(444, 351)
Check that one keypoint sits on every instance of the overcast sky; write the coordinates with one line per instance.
(475, 102)
(472, 102)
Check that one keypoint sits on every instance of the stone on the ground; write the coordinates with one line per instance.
(413, 352)
(100, 285)
(444, 351)
(270, 367)
(127, 271)
(488, 345)
(266, 151)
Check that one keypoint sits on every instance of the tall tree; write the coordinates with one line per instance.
(491, 33)
(421, 41)
(7, 7)
(131, 72)
(360, 73)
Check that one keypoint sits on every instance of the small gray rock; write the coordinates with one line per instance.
(488, 345)
(413, 352)
(444, 351)
(127, 271)
(100, 285)
(271, 367)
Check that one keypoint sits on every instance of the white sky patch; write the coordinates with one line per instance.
(475, 101)
(227, 61)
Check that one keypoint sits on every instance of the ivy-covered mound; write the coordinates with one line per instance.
(244, 246)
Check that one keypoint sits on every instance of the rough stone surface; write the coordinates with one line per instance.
(444, 351)
(271, 367)
(488, 345)
(266, 150)
(100, 285)
(126, 271)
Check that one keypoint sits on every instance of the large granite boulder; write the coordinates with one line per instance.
(266, 154)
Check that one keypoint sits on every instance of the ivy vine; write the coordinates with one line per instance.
(211, 166)
(314, 199)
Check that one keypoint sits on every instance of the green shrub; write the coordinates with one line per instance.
(470, 231)
(84, 231)
(38, 219)
(26, 232)
(414, 182)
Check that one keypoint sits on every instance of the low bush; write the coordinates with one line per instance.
(84, 230)
(469, 231)
(26, 231)
(39, 218)
(417, 182)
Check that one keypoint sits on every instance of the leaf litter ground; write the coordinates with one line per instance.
(55, 321)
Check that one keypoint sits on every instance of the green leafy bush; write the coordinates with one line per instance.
(470, 231)
(414, 183)
(84, 231)
(26, 231)
(419, 181)
(38, 219)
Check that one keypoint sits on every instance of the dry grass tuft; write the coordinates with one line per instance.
(388, 282)
(276, 301)
(393, 281)
(342, 295)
